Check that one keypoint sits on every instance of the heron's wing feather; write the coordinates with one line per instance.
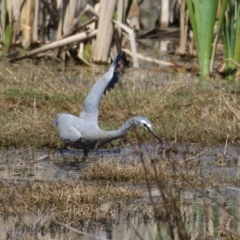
(106, 82)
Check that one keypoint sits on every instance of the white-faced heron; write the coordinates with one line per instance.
(83, 132)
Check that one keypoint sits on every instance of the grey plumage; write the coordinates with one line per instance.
(83, 131)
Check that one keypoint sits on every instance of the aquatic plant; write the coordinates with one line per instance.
(202, 14)
(231, 31)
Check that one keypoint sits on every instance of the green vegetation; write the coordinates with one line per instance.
(203, 15)
(8, 29)
(231, 31)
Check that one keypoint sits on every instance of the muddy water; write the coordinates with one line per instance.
(32, 164)
(52, 165)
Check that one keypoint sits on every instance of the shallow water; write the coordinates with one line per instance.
(32, 164)
(53, 165)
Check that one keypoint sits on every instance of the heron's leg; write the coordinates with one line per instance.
(85, 154)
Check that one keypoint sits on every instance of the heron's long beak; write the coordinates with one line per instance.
(155, 135)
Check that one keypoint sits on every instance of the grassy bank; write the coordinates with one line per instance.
(179, 110)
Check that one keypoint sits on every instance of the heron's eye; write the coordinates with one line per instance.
(145, 125)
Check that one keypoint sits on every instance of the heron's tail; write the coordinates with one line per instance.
(55, 120)
(117, 59)
(113, 71)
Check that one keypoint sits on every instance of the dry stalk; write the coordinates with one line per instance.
(149, 59)
(105, 31)
(57, 44)
(35, 21)
(132, 43)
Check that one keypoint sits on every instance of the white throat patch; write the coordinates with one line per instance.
(145, 123)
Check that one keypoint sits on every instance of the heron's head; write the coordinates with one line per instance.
(144, 122)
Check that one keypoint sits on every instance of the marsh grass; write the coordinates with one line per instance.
(66, 202)
(187, 172)
(180, 110)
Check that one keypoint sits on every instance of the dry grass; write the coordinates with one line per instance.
(187, 173)
(180, 111)
(131, 173)
(66, 202)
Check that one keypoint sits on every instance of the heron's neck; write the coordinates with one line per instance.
(124, 128)
(111, 135)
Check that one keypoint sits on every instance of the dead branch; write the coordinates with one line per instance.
(149, 59)
(81, 27)
(57, 44)
(132, 42)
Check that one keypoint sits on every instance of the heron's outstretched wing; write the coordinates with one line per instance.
(106, 82)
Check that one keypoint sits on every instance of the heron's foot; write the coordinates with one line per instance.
(84, 158)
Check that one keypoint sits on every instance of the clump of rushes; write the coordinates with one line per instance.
(202, 15)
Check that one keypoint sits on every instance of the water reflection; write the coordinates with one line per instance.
(202, 217)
